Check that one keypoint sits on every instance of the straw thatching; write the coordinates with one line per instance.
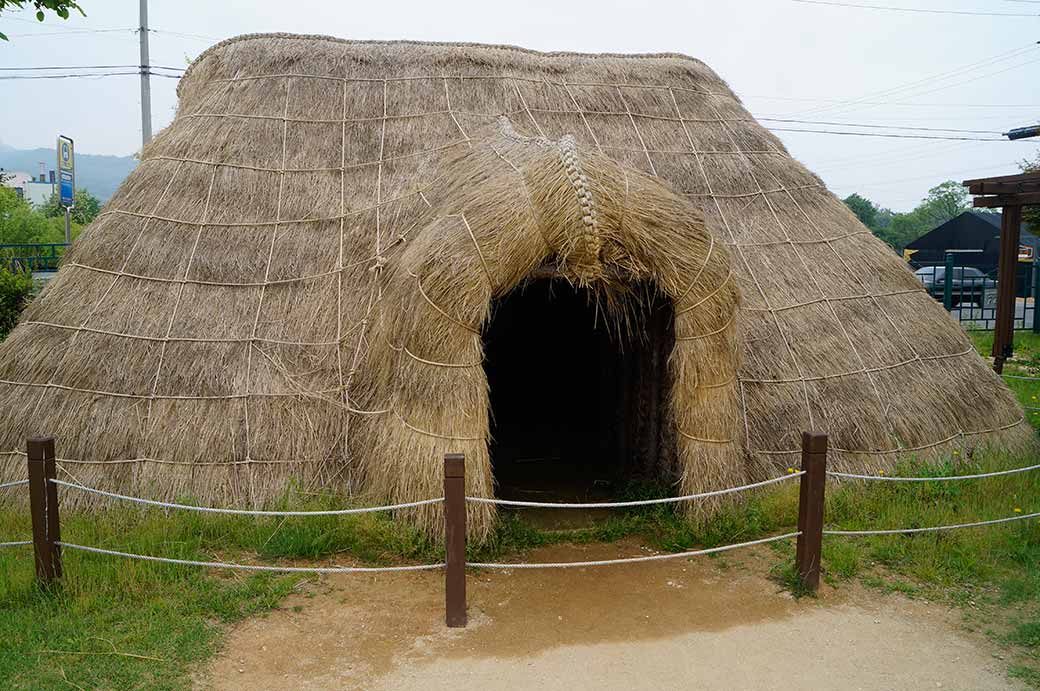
(291, 286)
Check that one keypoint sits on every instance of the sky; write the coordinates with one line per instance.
(786, 59)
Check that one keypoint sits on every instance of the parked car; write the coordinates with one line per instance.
(969, 285)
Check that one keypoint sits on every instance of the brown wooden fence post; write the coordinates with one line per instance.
(810, 509)
(43, 507)
(455, 540)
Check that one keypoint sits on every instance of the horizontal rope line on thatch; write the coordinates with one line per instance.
(16, 483)
(719, 330)
(710, 295)
(903, 449)
(717, 385)
(954, 526)
(187, 339)
(766, 452)
(244, 512)
(252, 567)
(320, 394)
(704, 439)
(687, 152)
(634, 560)
(459, 365)
(163, 461)
(865, 370)
(811, 241)
(639, 502)
(339, 121)
(840, 298)
(759, 193)
(492, 77)
(337, 169)
(433, 434)
(946, 478)
(440, 309)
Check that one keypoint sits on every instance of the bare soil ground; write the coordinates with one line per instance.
(696, 624)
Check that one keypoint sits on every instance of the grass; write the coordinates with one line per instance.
(1025, 362)
(119, 624)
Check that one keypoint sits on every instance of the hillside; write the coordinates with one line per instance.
(100, 174)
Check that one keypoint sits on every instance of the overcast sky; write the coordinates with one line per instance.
(785, 59)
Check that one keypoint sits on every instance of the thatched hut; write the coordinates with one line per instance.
(299, 283)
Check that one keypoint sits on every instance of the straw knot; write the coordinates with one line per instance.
(379, 263)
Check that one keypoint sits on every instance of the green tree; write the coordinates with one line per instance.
(943, 202)
(15, 293)
(1031, 214)
(58, 7)
(86, 208)
(866, 211)
(20, 223)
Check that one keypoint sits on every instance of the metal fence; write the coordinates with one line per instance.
(32, 256)
(971, 296)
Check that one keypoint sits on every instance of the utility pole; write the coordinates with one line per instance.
(146, 87)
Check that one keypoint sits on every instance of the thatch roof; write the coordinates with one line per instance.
(291, 285)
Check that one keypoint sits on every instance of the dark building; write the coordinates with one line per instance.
(975, 238)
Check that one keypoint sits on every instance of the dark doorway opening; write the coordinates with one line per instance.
(579, 406)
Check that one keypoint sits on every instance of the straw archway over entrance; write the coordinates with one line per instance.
(509, 208)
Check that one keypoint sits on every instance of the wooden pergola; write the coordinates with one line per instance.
(1010, 193)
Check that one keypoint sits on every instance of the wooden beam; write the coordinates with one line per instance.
(1018, 177)
(1026, 199)
(1004, 187)
(1003, 330)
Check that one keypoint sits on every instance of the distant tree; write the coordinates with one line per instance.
(20, 223)
(944, 201)
(58, 7)
(1031, 214)
(866, 211)
(86, 208)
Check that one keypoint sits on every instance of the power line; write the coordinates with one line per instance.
(887, 135)
(884, 127)
(65, 76)
(915, 9)
(69, 32)
(85, 67)
(897, 103)
(199, 37)
(911, 86)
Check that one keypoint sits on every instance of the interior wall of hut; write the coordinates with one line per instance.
(579, 403)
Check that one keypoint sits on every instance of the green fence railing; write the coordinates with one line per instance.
(32, 256)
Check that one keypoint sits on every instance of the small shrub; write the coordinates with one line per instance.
(15, 291)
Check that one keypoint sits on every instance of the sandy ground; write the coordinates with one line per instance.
(694, 624)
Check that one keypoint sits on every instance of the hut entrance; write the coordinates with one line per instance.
(577, 408)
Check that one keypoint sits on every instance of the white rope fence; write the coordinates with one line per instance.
(245, 512)
(905, 531)
(253, 567)
(16, 483)
(622, 504)
(15, 544)
(893, 478)
(632, 560)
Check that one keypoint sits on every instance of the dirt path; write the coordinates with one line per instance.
(701, 624)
